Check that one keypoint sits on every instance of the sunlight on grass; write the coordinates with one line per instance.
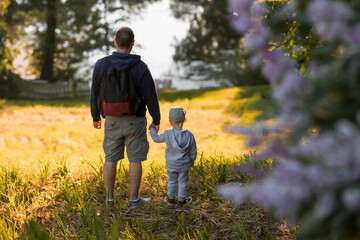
(31, 133)
(52, 161)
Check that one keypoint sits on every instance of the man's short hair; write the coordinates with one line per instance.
(124, 36)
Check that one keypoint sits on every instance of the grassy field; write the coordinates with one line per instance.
(51, 173)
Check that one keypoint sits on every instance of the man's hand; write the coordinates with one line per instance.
(157, 127)
(97, 124)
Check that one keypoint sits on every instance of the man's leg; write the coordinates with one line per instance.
(135, 172)
(109, 175)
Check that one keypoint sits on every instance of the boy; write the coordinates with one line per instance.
(180, 155)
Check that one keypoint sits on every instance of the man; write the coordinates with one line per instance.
(126, 131)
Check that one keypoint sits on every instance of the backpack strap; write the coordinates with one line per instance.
(103, 78)
(109, 66)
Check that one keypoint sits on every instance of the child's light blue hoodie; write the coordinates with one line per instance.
(180, 152)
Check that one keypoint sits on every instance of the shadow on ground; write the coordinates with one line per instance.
(257, 98)
(163, 95)
(174, 95)
(64, 102)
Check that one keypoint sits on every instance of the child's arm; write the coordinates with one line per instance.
(193, 150)
(157, 138)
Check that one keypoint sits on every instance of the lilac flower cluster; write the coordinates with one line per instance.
(321, 172)
(291, 185)
(278, 68)
(332, 21)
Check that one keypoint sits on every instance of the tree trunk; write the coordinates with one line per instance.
(47, 70)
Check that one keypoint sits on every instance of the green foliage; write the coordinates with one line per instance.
(44, 171)
(7, 230)
(35, 233)
(9, 86)
(212, 40)
(236, 68)
(209, 33)
(255, 99)
(211, 172)
(294, 37)
(334, 94)
(78, 27)
(333, 97)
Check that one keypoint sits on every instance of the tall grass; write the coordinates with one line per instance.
(53, 187)
(78, 210)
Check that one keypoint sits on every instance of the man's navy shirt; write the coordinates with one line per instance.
(142, 78)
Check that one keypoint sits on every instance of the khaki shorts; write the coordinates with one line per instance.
(129, 132)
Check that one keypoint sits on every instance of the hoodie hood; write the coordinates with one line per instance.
(180, 140)
(123, 61)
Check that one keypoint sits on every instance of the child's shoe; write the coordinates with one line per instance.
(169, 202)
(185, 202)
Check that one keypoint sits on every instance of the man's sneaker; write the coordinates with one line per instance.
(110, 205)
(185, 202)
(170, 202)
(139, 203)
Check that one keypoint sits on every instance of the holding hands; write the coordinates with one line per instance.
(157, 127)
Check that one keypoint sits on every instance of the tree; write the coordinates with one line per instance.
(212, 40)
(315, 179)
(8, 80)
(47, 68)
(67, 31)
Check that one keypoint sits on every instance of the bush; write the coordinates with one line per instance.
(315, 183)
(9, 84)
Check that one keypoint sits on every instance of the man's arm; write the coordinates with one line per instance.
(95, 91)
(150, 97)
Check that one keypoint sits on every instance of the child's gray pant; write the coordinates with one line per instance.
(181, 178)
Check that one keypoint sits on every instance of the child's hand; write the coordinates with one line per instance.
(156, 127)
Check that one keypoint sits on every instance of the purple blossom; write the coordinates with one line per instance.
(253, 141)
(351, 199)
(240, 6)
(329, 10)
(259, 10)
(353, 35)
(251, 171)
(272, 71)
(256, 59)
(234, 192)
(290, 86)
(258, 38)
(324, 206)
(320, 170)
(242, 24)
(241, 19)
(331, 18)
(277, 64)
(277, 149)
